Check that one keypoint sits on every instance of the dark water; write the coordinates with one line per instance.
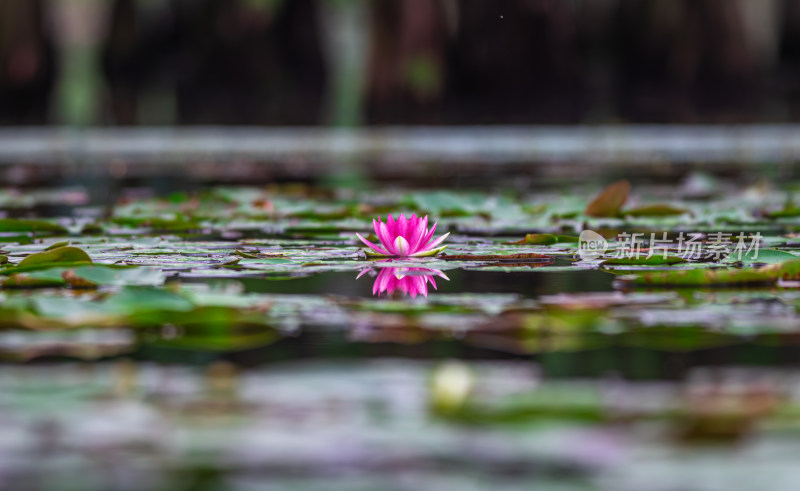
(526, 284)
(643, 355)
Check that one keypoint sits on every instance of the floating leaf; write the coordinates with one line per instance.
(56, 245)
(787, 270)
(85, 276)
(655, 211)
(158, 224)
(544, 239)
(654, 260)
(765, 256)
(494, 257)
(28, 281)
(537, 239)
(133, 299)
(704, 277)
(67, 254)
(36, 226)
(107, 275)
(790, 210)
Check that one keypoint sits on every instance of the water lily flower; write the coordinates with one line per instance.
(404, 237)
(408, 281)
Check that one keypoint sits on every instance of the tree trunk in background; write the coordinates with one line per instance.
(515, 61)
(249, 63)
(27, 63)
(406, 63)
(225, 61)
(691, 61)
(428, 62)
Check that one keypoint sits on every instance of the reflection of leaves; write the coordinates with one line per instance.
(585, 404)
(674, 338)
(609, 202)
(82, 344)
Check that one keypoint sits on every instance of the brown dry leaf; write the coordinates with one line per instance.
(609, 202)
(76, 281)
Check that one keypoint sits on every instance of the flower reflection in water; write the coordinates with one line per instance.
(408, 281)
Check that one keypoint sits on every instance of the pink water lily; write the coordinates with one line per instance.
(404, 237)
(408, 281)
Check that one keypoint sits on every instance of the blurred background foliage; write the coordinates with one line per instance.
(353, 62)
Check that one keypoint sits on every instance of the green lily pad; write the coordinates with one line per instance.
(57, 245)
(654, 211)
(765, 256)
(36, 226)
(704, 277)
(654, 260)
(83, 275)
(66, 254)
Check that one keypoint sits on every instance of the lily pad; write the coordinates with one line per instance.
(654, 260)
(35, 226)
(655, 211)
(65, 254)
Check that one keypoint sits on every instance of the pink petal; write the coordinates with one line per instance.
(436, 242)
(402, 226)
(387, 240)
(373, 246)
(429, 233)
(391, 226)
(419, 235)
(401, 246)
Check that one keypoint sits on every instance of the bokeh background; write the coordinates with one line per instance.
(398, 62)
